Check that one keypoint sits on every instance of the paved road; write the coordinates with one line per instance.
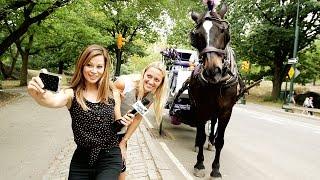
(260, 143)
(30, 138)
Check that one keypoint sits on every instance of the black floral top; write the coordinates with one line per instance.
(92, 129)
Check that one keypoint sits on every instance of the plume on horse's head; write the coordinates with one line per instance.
(211, 4)
(211, 36)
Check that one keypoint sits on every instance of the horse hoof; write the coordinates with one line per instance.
(210, 147)
(199, 172)
(196, 149)
(215, 174)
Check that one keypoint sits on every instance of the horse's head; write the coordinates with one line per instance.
(210, 37)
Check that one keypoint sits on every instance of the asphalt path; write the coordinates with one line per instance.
(260, 143)
(30, 138)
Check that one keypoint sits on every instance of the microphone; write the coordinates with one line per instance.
(138, 107)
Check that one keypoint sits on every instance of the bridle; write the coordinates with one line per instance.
(225, 53)
(222, 24)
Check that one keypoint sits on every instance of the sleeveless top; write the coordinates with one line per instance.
(92, 129)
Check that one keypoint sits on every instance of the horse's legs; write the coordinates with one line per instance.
(200, 140)
(219, 142)
(212, 134)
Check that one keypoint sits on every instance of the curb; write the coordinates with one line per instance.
(298, 114)
(163, 169)
(282, 111)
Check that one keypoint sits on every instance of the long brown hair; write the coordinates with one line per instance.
(78, 80)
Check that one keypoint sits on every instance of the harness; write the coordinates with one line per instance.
(230, 71)
(229, 66)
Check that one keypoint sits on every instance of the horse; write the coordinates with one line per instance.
(214, 85)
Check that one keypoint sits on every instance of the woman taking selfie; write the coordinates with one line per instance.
(152, 83)
(94, 104)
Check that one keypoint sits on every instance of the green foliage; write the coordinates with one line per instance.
(309, 66)
(263, 32)
(179, 12)
(136, 63)
(63, 36)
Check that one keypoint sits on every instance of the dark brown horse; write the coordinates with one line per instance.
(213, 86)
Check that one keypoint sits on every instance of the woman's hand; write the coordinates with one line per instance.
(127, 119)
(123, 148)
(35, 86)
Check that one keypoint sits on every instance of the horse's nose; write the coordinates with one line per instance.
(213, 72)
(217, 70)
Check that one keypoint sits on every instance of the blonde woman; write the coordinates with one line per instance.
(93, 103)
(153, 81)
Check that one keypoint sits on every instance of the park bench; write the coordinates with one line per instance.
(292, 108)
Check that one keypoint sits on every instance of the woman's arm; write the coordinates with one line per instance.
(48, 98)
(117, 100)
(131, 129)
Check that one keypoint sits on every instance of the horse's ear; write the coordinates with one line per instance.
(195, 16)
(223, 10)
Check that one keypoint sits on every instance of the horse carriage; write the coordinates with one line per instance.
(207, 91)
(180, 64)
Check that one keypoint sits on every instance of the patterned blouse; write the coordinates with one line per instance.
(92, 129)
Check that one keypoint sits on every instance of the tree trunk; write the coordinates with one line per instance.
(14, 56)
(119, 62)
(277, 79)
(25, 58)
(60, 68)
(24, 69)
(3, 70)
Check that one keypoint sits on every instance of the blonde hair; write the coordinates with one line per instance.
(105, 87)
(160, 95)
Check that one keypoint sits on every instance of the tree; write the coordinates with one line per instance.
(20, 15)
(66, 33)
(133, 19)
(179, 12)
(263, 31)
(309, 69)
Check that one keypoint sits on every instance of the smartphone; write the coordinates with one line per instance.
(50, 82)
